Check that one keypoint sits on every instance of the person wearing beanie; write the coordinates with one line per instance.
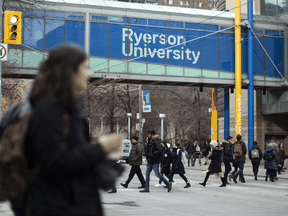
(255, 156)
(135, 160)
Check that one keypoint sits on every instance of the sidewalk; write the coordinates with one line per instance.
(247, 170)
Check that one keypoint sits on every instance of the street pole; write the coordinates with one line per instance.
(162, 116)
(238, 99)
(140, 115)
(250, 76)
(129, 115)
(1, 36)
(117, 125)
(101, 125)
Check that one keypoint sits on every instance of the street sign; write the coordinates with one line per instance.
(137, 126)
(143, 120)
(3, 52)
(146, 101)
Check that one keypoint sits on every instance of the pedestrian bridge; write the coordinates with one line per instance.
(151, 44)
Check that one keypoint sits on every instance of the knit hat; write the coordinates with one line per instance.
(213, 143)
(135, 138)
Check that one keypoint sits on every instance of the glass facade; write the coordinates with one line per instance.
(157, 47)
(273, 7)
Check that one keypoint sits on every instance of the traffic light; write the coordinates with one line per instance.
(12, 27)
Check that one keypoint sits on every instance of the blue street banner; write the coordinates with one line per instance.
(146, 101)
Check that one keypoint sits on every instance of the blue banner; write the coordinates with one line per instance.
(146, 101)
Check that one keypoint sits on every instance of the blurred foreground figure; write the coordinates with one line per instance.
(58, 142)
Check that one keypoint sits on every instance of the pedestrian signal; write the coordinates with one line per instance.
(12, 27)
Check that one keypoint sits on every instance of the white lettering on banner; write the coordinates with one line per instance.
(137, 50)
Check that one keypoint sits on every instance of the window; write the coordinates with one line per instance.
(210, 5)
(75, 32)
(181, 3)
(195, 4)
(186, 3)
(165, 1)
(200, 4)
(170, 1)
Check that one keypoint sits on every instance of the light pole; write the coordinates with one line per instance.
(117, 125)
(212, 131)
(129, 115)
(162, 116)
(101, 125)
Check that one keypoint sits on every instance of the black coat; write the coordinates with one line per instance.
(215, 157)
(66, 183)
(177, 165)
(205, 150)
(135, 157)
(227, 151)
(165, 161)
(190, 149)
(153, 152)
(255, 160)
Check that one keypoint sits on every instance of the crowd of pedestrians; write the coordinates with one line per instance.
(167, 160)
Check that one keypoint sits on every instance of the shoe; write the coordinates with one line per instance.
(279, 173)
(266, 178)
(229, 177)
(158, 185)
(113, 191)
(275, 178)
(165, 186)
(143, 186)
(234, 179)
(144, 190)
(222, 185)
(169, 187)
(200, 165)
(124, 185)
(227, 183)
(187, 185)
(243, 181)
(255, 178)
(203, 184)
(205, 164)
(272, 180)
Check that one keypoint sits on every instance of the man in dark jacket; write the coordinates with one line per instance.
(239, 150)
(135, 160)
(190, 151)
(153, 152)
(228, 156)
(255, 155)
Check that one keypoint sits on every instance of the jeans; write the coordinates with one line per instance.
(190, 159)
(255, 167)
(149, 169)
(241, 168)
(195, 157)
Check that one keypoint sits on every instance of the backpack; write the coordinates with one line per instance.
(228, 150)
(198, 149)
(238, 151)
(269, 156)
(255, 153)
(183, 157)
(15, 175)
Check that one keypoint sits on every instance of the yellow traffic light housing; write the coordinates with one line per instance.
(13, 27)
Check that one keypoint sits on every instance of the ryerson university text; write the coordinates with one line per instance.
(138, 50)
